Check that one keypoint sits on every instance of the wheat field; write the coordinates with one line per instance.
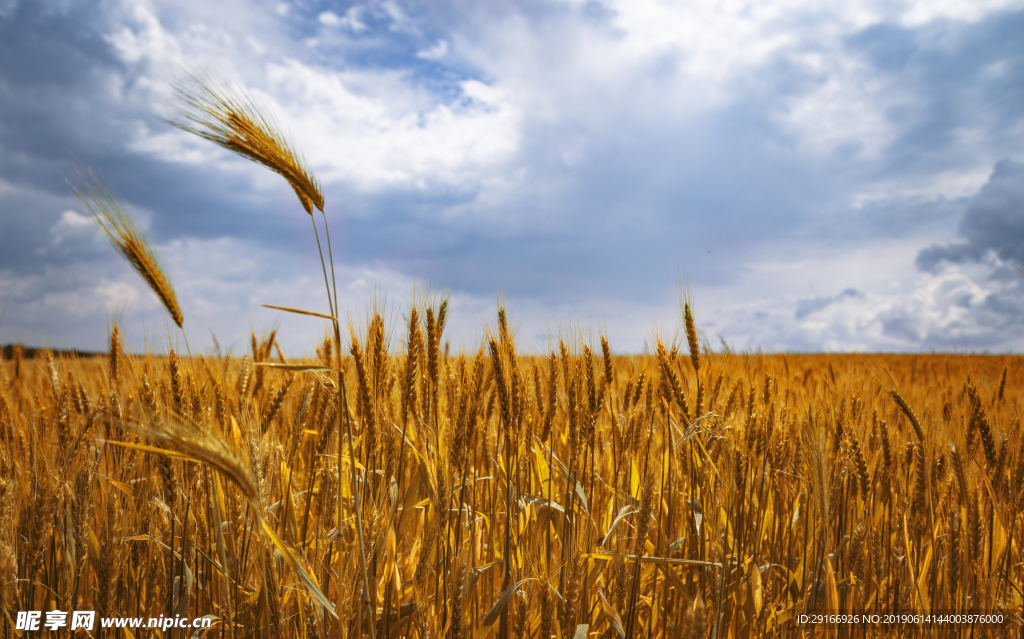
(524, 496)
(387, 487)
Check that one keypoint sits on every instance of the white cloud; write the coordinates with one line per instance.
(867, 298)
(392, 136)
(436, 52)
(923, 12)
(171, 146)
(329, 18)
(73, 226)
(952, 184)
(141, 36)
(351, 20)
(945, 310)
(847, 109)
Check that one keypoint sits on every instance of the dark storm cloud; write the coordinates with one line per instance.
(993, 222)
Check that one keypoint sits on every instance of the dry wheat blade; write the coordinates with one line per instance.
(306, 579)
(498, 606)
(299, 311)
(298, 368)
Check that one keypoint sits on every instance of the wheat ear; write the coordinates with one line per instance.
(123, 232)
(231, 118)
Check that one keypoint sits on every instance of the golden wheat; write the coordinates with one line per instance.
(630, 518)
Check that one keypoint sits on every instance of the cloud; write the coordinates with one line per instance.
(955, 308)
(436, 52)
(571, 155)
(350, 20)
(993, 223)
(388, 142)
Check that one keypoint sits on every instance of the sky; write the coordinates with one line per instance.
(838, 176)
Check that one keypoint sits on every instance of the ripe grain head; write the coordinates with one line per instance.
(233, 119)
